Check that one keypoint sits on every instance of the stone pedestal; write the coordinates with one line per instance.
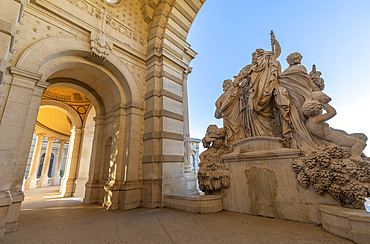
(191, 178)
(194, 203)
(353, 224)
(5, 202)
(13, 211)
(263, 182)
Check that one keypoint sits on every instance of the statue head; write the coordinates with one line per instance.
(214, 131)
(312, 108)
(257, 55)
(320, 96)
(227, 84)
(294, 59)
(212, 128)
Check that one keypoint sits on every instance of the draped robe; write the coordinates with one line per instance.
(227, 107)
(298, 85)
(259, 111)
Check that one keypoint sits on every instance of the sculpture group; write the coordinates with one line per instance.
(264, 101)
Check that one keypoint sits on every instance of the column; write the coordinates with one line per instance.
(190, 175)
(32, 176)
(84, 165)
(92, 185)
(68, 186)
(58, 163)
(43, 181)
(68, 161)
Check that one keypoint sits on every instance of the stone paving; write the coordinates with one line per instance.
(47, 218)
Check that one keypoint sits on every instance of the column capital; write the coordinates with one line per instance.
(51, 138)
(77, 131)
(188, 70)
(98, 120)
(38, 134)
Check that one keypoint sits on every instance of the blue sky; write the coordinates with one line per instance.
(334, 35)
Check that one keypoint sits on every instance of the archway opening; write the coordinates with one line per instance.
(65, 115)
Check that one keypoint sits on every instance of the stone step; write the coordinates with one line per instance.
(353, 224)
(194, 203)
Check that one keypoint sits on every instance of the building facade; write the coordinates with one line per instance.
(127, 61)
(194, 157)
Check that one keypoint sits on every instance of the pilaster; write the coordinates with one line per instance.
(190, 175)
(163, 159)
(92, 184)
(17, 123)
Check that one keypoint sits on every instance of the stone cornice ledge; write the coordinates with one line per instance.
(283, 153)
(25, 73)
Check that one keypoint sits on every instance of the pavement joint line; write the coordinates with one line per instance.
(163, 226)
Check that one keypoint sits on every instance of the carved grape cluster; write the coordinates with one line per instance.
(332, 171)
(335, 191)
(314, 175)
(338, 152)
(355, 193)
(303, 179)
(318, 188)
(338, 166)
(340, 179)
(298, 165)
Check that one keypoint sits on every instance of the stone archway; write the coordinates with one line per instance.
(55, 110)
(153, 164)
(116, 111)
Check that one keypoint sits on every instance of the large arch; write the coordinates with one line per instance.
(43, 58)
(114, 93)
(71, 113)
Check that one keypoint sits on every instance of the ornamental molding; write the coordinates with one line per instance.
(100, 48)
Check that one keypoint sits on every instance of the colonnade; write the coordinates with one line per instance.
(32, 181)
(77, 162)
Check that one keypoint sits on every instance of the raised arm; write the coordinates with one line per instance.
(275, 47)
(330, 113)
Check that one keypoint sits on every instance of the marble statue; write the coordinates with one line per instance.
(213, 174)
(227, 107)
(318, 82)
(264, 101)
(264, 71)
(317, 126)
